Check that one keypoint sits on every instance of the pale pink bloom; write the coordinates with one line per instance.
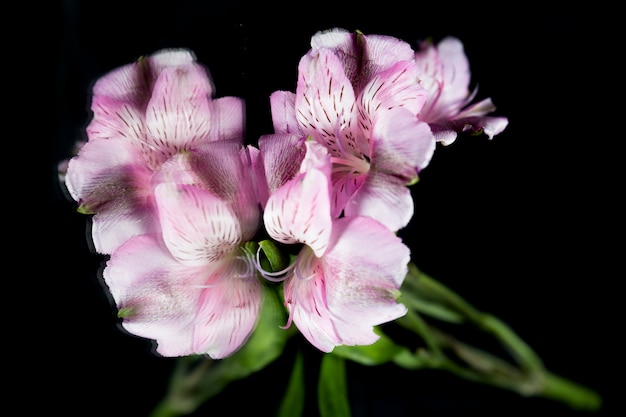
(143, 114)
(359, 95)
(445, 72)
(193, 288)
(346, 277)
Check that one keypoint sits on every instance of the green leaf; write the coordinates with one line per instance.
(383, 350)
(197, 379)
(332, 389)
(292, 403)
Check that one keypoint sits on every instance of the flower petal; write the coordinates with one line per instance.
(107, 180)
(156, 295)
(282, 156)
(299, 211)
(198, 227)
(362, 285)
(325, 100)
(402, 145)
(228, 309)
(177, 114)
(382, 197)
(283, 108)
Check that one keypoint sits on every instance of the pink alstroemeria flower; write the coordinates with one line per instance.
(194, 288)
(445, 72)
(347, 275)
(359, 95)
(143, 114)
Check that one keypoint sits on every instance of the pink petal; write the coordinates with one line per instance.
(177, 114)
(107, 178)
(299, 211)
(363, 282)
(382, 197)
(112, 118)
(397, 86)
(228, 309)
(305, 297)
(226, 119)
(282, 156)
(198, 227)
(225, 169)
(325, 100)
(283, 108)
(456, 71)
(156, 294)
(402, 145)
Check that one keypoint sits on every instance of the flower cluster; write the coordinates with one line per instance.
(184, 208)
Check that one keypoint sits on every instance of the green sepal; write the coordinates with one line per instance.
(125, 312)
(84, 209)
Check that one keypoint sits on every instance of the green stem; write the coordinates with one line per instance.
(576, 396)
(528, 378)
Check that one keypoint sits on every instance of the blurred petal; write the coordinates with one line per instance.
(283, 108)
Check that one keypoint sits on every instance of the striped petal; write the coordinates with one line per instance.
(198, 227)
(299, 211)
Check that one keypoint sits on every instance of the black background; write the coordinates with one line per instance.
(522, 226)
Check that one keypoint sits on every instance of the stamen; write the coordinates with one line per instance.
(275, 276)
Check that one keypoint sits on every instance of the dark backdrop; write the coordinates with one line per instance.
(517, 225)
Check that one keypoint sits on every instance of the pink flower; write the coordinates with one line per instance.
(444, 71)
(359, 96)
(346, 277)
(193, 288)
(143, 114)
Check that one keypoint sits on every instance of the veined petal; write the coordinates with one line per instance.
(112, 118)
(402, 145)
(177, 114)
(384, 51)
(103, 171)
(384, 198)
(282, 156)
(305, 298)
(456, 72)
(283, 108)
(258, 171)
(299, 211)
(106, 180)
(325, 101)
(362, 285)
(155, 294)
(226, 119)
(198, 227)
(397, 86)
(362, 56)
(228, 309)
